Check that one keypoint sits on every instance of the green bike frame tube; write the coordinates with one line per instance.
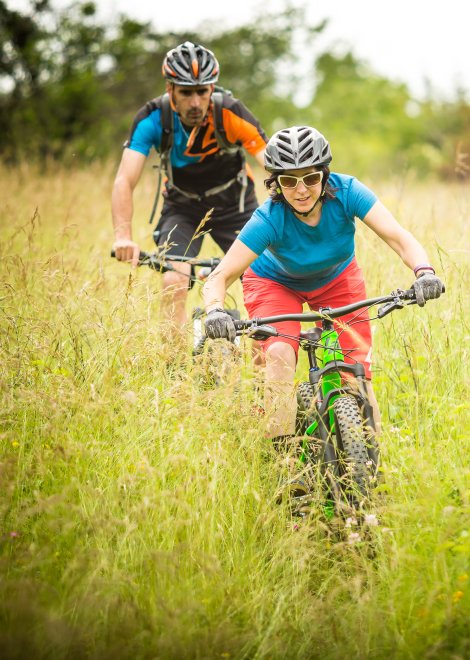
(331, 381)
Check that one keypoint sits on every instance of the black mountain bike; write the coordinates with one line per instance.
(334, 414)
(200, 270)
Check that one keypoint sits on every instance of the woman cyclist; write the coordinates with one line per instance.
(297, 248)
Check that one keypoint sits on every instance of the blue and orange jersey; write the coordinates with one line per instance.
(197, 161)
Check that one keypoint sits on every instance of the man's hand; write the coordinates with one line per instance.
(427, 286)
(127, 250)
(219, 325)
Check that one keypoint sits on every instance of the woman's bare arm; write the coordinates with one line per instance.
(235, 262)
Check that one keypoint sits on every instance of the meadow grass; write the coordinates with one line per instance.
(137, 504)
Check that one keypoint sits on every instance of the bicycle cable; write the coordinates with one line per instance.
(337, 345)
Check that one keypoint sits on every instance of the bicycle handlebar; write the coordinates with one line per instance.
(153, 260)
(393, 301)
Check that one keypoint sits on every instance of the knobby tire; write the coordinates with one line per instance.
(305, 412)
(352, 439)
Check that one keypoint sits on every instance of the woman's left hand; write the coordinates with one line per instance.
(427, 286)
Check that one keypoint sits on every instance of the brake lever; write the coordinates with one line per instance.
(383, 310)
(402, 298)
(262, 332)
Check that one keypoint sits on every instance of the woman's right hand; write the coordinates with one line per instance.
(218, 324)
(426, 287)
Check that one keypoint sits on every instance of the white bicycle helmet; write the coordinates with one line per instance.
(295, 148)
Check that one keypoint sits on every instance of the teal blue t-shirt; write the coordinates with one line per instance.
(301, 257)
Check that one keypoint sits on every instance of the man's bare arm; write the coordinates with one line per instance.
(127, 177)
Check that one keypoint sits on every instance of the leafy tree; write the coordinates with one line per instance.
(446, 127)
(375, 125)
(50, 60)
(70, 86)
(79, 84)
(366, 116)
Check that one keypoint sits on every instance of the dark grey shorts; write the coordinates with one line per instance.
(180, 230)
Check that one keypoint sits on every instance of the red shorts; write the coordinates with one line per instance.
(264, 297)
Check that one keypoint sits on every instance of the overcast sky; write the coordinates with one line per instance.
(406, 40)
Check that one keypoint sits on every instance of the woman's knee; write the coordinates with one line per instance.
(281, 353)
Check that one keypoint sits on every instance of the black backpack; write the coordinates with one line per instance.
(222, 141)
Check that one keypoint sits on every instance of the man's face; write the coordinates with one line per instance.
(191, 103)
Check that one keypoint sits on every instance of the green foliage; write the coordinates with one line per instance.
(375, 108)
(371, 120)
(447, 128)
(256, 61)
(57, 96)
(70, 87)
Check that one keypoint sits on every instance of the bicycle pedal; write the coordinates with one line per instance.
(299, 491)
(301, 506)
(301, 514)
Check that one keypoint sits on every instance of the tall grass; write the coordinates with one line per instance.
(137, 503)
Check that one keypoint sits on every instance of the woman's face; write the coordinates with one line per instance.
(301, 196)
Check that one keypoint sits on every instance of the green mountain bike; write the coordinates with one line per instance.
(334, 413)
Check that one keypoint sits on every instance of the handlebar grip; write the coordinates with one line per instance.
(409, 294)
(242, 324)
(142, 255)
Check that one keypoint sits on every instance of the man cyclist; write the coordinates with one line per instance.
(201, 176)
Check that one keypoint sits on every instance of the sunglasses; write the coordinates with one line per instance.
(291, 181)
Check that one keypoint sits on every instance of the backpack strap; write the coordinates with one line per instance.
(219, 128)
(227, 146)
(167, 124)
(165, 149)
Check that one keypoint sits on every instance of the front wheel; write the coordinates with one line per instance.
(353, 438)
(305, 407)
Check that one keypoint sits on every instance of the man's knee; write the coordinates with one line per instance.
(176, 283)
